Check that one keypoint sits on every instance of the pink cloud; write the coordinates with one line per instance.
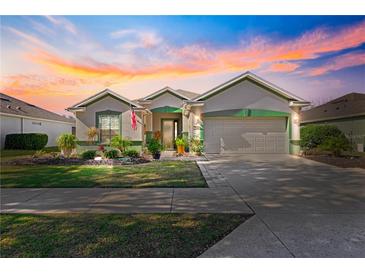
(340, 62)
(283, 67)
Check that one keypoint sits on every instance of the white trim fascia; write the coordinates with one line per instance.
(194, 103)
(77, 109)
(254, 77)
(101, 94)
(299, 104)
(332, 118)
(143, 102)
(156, 93)
(35, 118)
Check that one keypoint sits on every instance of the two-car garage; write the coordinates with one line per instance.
(248, 114)
(246, 135)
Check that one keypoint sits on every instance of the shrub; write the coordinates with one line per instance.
(120, 143)
(196, 146)
(111, 154)
(27, 141)
(335, 144)
(66, 142)
(313, 136)
(154, 146)
(131, 153)
(88, 154)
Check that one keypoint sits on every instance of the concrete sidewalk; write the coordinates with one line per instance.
(121, 200)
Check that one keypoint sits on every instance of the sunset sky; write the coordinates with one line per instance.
(54, 61)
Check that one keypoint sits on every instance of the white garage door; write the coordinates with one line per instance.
(249, 135)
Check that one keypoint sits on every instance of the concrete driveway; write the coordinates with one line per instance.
(303, 208)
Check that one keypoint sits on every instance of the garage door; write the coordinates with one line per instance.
(248, 135)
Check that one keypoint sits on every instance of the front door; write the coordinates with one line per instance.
(169, 133)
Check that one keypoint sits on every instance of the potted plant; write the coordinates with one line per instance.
(180, 144)
(196, 146)
(154, 147)
(66, 142)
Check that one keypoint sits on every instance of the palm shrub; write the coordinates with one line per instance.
(111, 154)
(92, 133)
(196, 146)
(66, 143)
(120, 143)
(154, 147)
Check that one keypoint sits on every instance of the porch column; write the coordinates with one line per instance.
(185, 114)
(148, 122)
(294, 131)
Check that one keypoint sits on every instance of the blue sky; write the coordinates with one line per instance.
(56, 61)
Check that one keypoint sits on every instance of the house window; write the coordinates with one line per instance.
(37, 123)
(109, 126)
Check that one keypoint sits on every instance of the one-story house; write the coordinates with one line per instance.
(346, 112)
(17, 116)
(246, 114)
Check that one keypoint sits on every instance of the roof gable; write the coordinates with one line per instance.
(100, 95)
(182, 94)
(254, 79)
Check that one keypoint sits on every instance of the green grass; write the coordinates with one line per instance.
(153, 174)
(113, 235)
(8, 154)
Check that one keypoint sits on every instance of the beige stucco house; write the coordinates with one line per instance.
(247, 114)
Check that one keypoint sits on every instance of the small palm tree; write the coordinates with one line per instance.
(120, 143)
(92, 133)
(66, 142)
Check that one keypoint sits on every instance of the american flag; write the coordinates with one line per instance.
(133, 119)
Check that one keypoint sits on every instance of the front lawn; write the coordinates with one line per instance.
(113, 235)
(153, 174)
(9, 154)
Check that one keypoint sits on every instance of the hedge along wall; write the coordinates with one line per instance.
(27, 141)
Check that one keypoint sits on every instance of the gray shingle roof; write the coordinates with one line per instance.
(186, 93)
(15, 106)
(351, 104)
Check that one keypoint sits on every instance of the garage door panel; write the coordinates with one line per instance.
(245, 136)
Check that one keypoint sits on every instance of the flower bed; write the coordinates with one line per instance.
(48, 160)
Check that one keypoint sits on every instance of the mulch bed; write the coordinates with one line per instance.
(76, 161)
(345, 162)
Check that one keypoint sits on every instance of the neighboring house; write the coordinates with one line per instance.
(17, 116)
(346, 112)
(247, 114)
